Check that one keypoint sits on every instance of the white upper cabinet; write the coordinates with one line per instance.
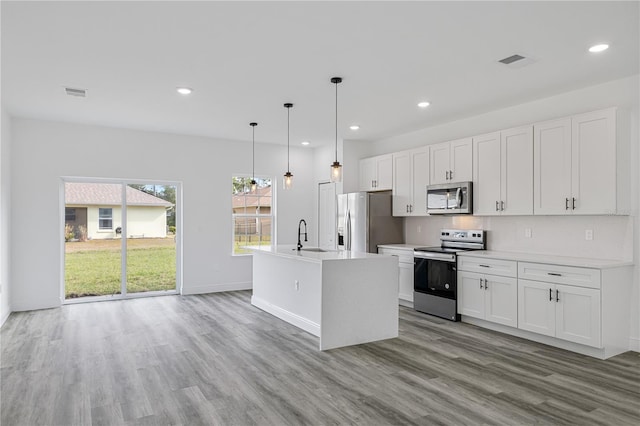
(575, 165)
(593, 165)
(503, 172)
(376, 173)
(410, 179)
(451, 161)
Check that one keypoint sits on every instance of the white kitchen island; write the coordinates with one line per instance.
(345, 298)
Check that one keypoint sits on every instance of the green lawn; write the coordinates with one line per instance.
(97, 272)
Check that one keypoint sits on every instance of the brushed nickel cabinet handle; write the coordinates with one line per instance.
(486, 284)
(484, 266)
(573, 203)
(502, 205)
(497, 206)
(481, 283)
(557, 295)
(550, 297)
(566, 204)
(555, 274)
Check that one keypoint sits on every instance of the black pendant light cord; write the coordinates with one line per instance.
(337, 120)
(288, 111)
(253, 153)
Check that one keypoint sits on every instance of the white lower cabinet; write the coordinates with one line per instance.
(488, 290)
(489, 297)
(405, 267)
(562, 311)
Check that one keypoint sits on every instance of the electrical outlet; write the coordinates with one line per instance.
(527, 232)
(297, 285)
(588, 234)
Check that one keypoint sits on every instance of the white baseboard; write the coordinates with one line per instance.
(20, 306)
(634, 344)
(4, 317)
(290, 317)
(215, 288)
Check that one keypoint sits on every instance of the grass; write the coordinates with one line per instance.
(250, 240)
(92, 268)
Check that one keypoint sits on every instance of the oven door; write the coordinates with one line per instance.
(435, 277)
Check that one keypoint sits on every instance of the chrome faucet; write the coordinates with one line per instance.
(305, 233)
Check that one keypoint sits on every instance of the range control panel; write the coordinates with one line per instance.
(465, 235)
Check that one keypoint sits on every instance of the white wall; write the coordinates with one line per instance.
(5, 215)
(614, 237)
(42, 152)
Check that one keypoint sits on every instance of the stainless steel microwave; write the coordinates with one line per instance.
(450, 198)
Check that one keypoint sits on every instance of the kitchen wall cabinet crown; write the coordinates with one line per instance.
(451, 161)
(503, 172)
(410, 180)
(376, 173)
(581, 165)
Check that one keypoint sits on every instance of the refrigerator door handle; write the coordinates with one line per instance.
(347, 244)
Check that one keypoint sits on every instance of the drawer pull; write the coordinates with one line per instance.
(484, 266)
(550, 297)
(555, 274)
(481, 283)
(557, 296)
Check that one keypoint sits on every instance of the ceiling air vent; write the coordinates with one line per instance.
(511, 59)
(81, 93)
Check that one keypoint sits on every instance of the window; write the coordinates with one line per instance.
(252, 213)
(69, 214)
(105, 218)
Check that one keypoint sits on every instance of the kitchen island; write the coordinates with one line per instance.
(345, 298)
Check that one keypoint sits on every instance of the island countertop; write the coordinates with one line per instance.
(290, 251)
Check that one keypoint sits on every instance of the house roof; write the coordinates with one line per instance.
(261, 197)
(108, 194)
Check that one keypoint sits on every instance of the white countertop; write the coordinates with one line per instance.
(583, 262)
(313, 256)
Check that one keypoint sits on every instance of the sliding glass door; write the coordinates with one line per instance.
(120, 239)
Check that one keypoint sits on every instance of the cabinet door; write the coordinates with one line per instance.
(405, 290)
(536, 312)
(461, 160)
(420, 169)
(439, 163)
(486, 171)
(384, 172)
(401, 183)
(471, 294)
(578, 315)
(501, 300)
(552, 167)
(593, 149)
(367, 174)
(517, 171)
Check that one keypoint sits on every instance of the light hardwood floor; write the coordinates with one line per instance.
(215, 359)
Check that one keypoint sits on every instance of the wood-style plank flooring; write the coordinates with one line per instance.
(215, 359)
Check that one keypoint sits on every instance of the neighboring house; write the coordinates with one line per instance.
(253, 203)
(98, 207)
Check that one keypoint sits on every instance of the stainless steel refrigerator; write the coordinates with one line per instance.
(365, 220)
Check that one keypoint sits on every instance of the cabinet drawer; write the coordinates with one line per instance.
(581, 277)
(404, 256)
(505, 268)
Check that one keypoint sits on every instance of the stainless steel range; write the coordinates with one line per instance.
(435, 273)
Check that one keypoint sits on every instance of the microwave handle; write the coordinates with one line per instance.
(459, 197)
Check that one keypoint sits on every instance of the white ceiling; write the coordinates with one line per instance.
(245, 59)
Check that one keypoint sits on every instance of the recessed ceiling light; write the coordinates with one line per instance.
(598, 48)
(184, 90)
(305, 143)
(423, 104)
(354, 127)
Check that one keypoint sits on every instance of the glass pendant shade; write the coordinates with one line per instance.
(254, 185)
(287, 182)
(336, 172)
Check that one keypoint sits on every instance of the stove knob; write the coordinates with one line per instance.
(446, 286)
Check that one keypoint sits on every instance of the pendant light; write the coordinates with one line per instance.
(288, 177)
(336, 167)
(253, 183)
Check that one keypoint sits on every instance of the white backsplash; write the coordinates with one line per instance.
(553, 235)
